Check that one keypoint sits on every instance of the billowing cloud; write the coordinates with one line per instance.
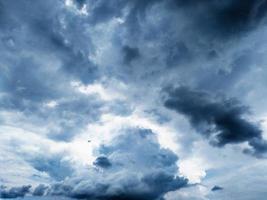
(14, 192)
(79, 70)
(39, 64)
(220, 120)
(134, 167)
(40, 190)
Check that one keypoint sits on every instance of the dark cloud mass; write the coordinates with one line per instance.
(220, 120)
(224, 18)
(215, 18)
(216, 188)
(102, 162)
(130, 54)
(40, 190)
(14, 192)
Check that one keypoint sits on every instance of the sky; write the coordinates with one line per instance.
(133, 99)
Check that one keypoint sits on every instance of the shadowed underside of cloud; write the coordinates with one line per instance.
(14, 192)
(54, 165)
(133, 167)
(40, 190)
(220, 120)
(130, 54)
(219, 18)
(224, 18)
(103, 162)
(216, 188)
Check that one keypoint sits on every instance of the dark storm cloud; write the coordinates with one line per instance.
(183, 33)
(259, 147)
(216, 188)
(217, 18)
(130, 54)
(46, 34)
(178, 53)
(40, 190)
(140, 169)
(80, 3)
(14, 192)
(220, 120)
(224, 18)
(44, 49)
(102, 162)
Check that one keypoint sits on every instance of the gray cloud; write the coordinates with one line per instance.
(219, 120)
(47, 45)
(54, 165)
(40, 190)
(102, 162)
(223, 19)
(14, 192)
(41, 59)
(130, 54)
(140, 169)
(216, 188)
(206, 17)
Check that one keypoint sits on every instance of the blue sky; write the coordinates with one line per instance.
(133, 100)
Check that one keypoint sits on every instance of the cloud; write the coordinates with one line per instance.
(140, 169)
(48, 33)
(40, 190)
(216, 188)
(219, 20)
(46, 46)
(223, 19)
(235, 181)
(221, 121)
(14, 192)
(130, 54)
(54, 165)
(102, 162)
(41, 59)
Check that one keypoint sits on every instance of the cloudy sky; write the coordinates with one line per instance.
(133, 99)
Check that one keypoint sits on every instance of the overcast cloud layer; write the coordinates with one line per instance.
(133, 99)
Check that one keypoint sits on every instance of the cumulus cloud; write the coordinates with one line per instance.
(14, 192)
(133, 166)
(220, 120)
(40, 190)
